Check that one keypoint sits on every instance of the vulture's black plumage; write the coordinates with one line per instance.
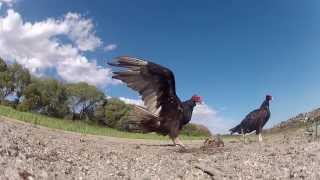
(163, 113)
(255, 120)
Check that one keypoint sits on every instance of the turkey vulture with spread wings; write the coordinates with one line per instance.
(163, 113)
(255, 120)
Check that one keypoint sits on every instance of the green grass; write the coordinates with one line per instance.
(79, 126)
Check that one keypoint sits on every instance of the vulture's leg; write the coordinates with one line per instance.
(177, 142)
(260, 137)
(259, 134)
(174, 134)
(243, 136)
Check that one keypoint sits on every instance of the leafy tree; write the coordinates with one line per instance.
(6, 83)
(116, 113)
(32, 97)
(99, 112)
(82, 99)
(46, 96)
(13, 80)
(20, 78)
(3, 65)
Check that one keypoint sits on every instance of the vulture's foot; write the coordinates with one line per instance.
(260, 138)
(182, 148)
(177, 142)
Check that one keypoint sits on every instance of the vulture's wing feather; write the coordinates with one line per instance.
(254, 119)
(155, 83)
(266, 117)
(252, 115)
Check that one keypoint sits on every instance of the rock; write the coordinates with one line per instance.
(25, 175)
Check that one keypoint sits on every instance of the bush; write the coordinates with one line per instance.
(116, 113)
(82, 99)
(13, 80)
(192, 129)
(45, 96)
(8, 103)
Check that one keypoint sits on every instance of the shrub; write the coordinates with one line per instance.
(192, 129)
(116, 113)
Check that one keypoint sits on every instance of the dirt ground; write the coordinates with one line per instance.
(29, 152)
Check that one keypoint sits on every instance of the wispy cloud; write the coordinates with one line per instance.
(202, 114)
(7, 2)
(39, 46)
(110, 47)
(210, 117)
(132, 101)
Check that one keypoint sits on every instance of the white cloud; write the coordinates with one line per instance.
(202, 114)
(110, 47)
(132, 101)
(81, 32)
(40, 46)
(210, 117)
(7, 2)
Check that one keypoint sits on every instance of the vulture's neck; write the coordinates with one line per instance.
(187, 110)
(265, 105)
(189, 104)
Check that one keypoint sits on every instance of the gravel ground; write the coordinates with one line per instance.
(29, 152)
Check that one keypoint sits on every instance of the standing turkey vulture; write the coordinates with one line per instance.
(164, 113)
(255, 120)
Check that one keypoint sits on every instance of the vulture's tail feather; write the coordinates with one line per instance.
(236, 129)
(142, 120)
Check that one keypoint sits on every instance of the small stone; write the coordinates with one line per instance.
(121, 173)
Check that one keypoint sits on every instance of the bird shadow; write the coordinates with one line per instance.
(158, 145)
(186, 150)
(201, 150)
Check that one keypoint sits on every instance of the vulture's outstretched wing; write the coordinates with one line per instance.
(155, 83)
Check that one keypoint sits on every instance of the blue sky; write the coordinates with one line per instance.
(230, 52)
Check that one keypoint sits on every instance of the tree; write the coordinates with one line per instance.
(46, 96)
(3, 65)
(82, 99)
(20, 78)
(116, 114)
(13, 80)
(99, 112)
(32, 97)
(6, 83)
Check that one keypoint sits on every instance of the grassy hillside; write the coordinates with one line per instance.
(78, 126)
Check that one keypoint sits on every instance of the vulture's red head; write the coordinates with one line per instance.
(268, 97)
(197, 99)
